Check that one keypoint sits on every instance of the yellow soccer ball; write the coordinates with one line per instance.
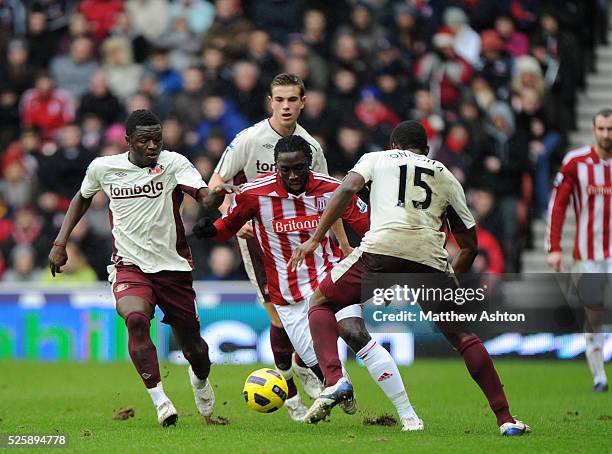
(265, 390)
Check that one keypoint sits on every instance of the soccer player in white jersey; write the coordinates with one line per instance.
(410, 198)
(248, 156)
(151, 261)
(586, 178)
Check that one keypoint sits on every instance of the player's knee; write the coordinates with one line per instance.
(354, 333)
(137, 323)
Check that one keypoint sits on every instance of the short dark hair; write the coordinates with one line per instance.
(140, 117)
(410, 135)
(287, 79)
(602, 113)
(293, 143)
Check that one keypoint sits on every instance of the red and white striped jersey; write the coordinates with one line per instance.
(587, 180)
(282, 221)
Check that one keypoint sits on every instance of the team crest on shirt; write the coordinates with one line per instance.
(321, 204)
(121, 287)
(157, 170)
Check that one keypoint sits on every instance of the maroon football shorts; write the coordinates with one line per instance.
(350, 273)
(172, 291)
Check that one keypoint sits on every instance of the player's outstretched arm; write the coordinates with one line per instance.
(468, 244)
(351, 184)
(58, 257)
(211, 199)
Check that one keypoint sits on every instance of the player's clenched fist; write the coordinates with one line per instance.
(204, 228)
(57, 258)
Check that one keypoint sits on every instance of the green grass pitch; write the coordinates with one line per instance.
(554, 397)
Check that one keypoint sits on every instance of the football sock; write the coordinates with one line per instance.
(291, 388)
(298, 360)
(384, 372)
(282, 349)
(594, 355)
(324, 333)
(482, 370)
(317, 371)
(158, 396)
(199, 360)
(141, 348)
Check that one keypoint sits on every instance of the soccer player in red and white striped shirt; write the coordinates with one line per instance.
(586, 178)
(285, 207)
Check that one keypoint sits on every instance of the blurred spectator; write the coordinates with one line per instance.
(12, 21)
(378, 118)
(343, 92)
(213, 147)
(168, 79)
(41, 42)
(122, 73)
(216, 72)
(481, 200)
(27, 229)
(409, 29)
(222, 264)
(22, 265)
(46, 107)
(348, 56)
(220, 114)
(279, 17)
(495, 64)
(300, 68)
(92, 128)
(365, 29)
(16, 73)
(316, 117)
(62, 170)
(9, 116)
(188, 102)
(515, 42)
(318, 69)
(123, 28)
(247, 93)
(454, 152)
(466, 42)
(17, 189)
(351, 146)
(182, 43)
(72, 72)
(315, 32)
(96, 248)
(198, 13)
(259, 53)
(149, 17)
(99, 101)
(174, 139)
(230, 30)
(76, 271)
(78, 27)
(446, 72)
(102, 15)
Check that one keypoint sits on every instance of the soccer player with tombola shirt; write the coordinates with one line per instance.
(285, 207)
(410, 198)
(248, 156)
(151, 261)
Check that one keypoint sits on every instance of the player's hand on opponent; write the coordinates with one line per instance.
(225, 189)
(57, 258)
(204, 228)
(246, 231)
(555, 260)
(301, 252)
(346, 249)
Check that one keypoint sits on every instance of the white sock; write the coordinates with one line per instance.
(385, 373)
(594, 354)
(158, 396)
(195, 381)
(288, 374)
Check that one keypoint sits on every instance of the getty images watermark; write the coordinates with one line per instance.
(398, 296)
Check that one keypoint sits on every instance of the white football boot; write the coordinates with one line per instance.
(166, 414)
(310, 382)
(296, 408)
(203, 394)
(517, 428)
(412, 424)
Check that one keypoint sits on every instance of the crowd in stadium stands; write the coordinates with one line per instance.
(494, 83)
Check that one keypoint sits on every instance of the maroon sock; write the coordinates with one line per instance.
(324, 332)
(298, 360)
(141, 348)
(482, 370)
(197, 356)
(282, 349)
